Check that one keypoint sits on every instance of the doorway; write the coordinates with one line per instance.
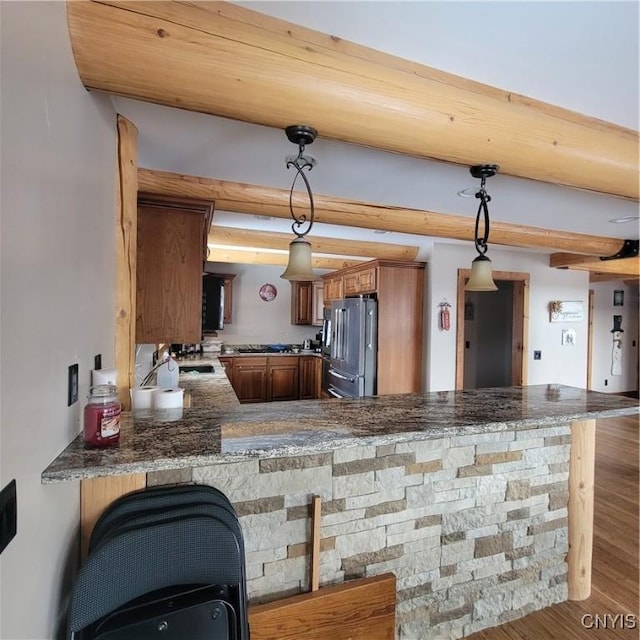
(492, 331)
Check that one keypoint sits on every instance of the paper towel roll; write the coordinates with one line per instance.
(168, 398)
(141, 397)
(104, 376)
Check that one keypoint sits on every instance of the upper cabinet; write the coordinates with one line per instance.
(307, 301)
(172, 249)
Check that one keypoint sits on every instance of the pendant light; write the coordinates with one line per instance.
(299, 266)
(481, 278)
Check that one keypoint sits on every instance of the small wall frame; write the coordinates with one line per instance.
(618, 298)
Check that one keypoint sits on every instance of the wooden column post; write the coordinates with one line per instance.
(581, 486)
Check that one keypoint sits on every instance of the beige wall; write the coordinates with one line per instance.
(57, 295)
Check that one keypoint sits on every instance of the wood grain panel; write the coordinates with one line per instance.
(96, 494)
(244, 238)
(126, 257)
(581, 488)
(242, 256)
(258, 71)
(622, 266)
(169, 282)
(251, 199)
(358, 610)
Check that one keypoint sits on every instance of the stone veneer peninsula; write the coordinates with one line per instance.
(470, 498)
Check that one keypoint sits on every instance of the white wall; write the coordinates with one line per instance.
(57, 295)
(603, 312)
(254, 320)
(559, 364)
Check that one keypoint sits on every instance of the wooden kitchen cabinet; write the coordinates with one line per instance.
(227, 363)
(307, 303)
(249, 378)
(310, 372)
(301, 302)
(332, 289)
(171, 251)
(399, 289)
(317, 303)
(283, 378)
(274, 378)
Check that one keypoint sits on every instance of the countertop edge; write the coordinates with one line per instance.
(329, 444)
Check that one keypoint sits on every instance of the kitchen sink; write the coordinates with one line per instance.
(199, 368)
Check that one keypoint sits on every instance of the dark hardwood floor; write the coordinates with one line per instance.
(615, 552)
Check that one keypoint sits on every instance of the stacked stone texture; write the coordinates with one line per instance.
(474, 527)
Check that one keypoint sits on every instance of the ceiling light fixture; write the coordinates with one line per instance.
(299, 266)
(624, 219)
(481, 278)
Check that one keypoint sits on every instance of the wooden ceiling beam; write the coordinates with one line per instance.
(622, 266)
(628, 279)
(267, 71)
(274, 240)
(245, 198)
(246, 256)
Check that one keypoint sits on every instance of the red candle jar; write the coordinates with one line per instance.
(102, 416)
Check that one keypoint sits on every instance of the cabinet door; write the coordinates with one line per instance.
(169, 269)
(301, 302)
(250, 379)
(367, 281)
(309, 372)
(317, 304)
(351, 285)
(283, 378)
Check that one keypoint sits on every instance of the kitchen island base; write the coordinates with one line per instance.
(474, 527)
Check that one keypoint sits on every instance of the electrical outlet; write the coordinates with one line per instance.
(72, 390)
(97, 362)
(537, 355)
(8, 514)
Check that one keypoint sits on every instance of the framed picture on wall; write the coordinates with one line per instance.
(568, 337)
(618, 298)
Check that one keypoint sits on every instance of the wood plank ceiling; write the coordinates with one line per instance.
(258, 70)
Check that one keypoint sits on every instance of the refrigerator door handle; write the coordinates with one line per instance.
(340, 376)
(370, 334)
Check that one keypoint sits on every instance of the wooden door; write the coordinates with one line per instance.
(250, 379)
(301, 302)
(283, 378)
(308, 373)
(520, 324)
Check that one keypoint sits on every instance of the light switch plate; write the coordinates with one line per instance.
(8, 514)
(72, 390)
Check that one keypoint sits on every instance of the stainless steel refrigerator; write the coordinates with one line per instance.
(353, 348)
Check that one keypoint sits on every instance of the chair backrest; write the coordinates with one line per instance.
(160, 539)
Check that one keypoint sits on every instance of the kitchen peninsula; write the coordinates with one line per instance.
(469, 497)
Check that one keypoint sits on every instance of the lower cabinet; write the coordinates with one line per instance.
(274, 379)
(283, 378)
(310, 368)
(249, 379)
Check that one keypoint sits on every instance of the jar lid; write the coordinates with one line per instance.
(103, 392)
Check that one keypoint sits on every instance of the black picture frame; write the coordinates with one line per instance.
(618, 298)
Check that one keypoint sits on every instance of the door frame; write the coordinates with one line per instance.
(520, 322)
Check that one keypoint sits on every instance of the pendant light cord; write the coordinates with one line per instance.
(481, 242)
(300, 163)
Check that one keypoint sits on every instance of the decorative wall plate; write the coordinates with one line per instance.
(267, 292)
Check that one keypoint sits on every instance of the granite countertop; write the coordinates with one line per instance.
(217, 429)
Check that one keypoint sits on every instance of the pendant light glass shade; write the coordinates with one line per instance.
(481, 278)
(299, 266)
